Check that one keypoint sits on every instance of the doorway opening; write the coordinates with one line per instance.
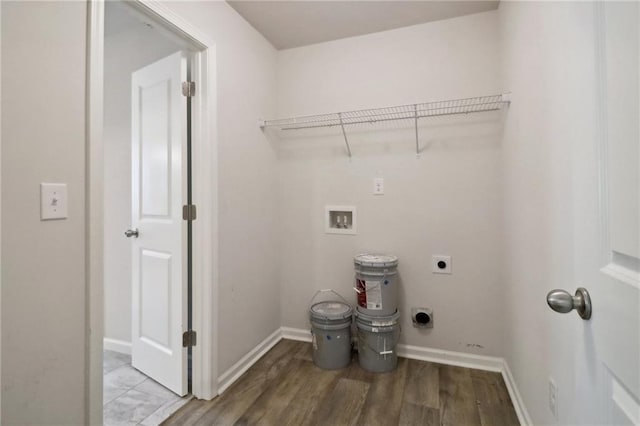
(148, 97)
(146, 240)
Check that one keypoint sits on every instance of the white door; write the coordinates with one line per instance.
(158, 135)
(606, 211)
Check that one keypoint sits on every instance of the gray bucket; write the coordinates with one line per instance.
(377, 341)
(376, 284)
(331, 332)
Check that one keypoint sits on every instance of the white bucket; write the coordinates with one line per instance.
(377, 342)
(331, 332)
(376, 284)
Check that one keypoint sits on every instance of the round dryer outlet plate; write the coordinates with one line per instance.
(441, 264)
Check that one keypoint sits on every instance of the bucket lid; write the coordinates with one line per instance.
(378, 260)
(330, 310)
(378, 321)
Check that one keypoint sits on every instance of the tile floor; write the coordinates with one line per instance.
(131, 398)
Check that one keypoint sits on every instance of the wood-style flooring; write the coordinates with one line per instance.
(285, 388)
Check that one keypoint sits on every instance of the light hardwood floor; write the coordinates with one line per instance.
(285, 388)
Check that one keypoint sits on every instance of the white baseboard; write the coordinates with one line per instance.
(460, 359)
(116, 345)
(516, 398)
(240, 367)
(298, 334)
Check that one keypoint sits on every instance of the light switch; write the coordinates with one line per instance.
(53, 201)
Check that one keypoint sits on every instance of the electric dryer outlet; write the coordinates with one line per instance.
(441, 264)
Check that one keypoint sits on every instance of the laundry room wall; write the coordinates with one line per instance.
(43, 262)
(128, 46)
(244, 79)
(446, 202)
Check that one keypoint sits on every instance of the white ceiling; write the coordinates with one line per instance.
(288, 24)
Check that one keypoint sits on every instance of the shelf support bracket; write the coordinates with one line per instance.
(415, 112)
(344, 134)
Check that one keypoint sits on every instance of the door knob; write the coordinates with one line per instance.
(563, 302)
(131, 233)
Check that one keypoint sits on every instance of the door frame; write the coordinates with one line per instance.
(205, 193)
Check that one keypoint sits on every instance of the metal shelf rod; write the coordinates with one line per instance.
(346, 141)
(416, 124)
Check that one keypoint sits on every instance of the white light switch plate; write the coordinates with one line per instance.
(53, 201)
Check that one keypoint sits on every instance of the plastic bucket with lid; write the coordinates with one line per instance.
(376, 284)
(331, 332)
(377, 341)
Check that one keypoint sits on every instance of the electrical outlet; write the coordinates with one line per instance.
(553, 398)
(378, 186)
(441, 264)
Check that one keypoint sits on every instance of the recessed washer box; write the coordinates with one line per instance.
(340, 220)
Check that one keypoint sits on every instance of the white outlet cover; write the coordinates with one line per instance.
(437, 267)
(53, 201)
(378, 186)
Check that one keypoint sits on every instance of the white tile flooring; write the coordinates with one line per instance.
(131, 398)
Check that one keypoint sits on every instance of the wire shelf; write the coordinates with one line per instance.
(412, 112)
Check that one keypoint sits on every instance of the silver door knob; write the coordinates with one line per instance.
(131, 233)
(561, 301)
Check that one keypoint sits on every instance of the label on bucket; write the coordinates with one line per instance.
(369, 294)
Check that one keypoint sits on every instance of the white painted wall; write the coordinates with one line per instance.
(245, 77)
(43, 263)
(0, 213)
(43, 273)
(447, 202)
(548, 61)
(125, 51)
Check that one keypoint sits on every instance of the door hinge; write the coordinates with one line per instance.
(189, 88)
(188, 338)
(189, 212)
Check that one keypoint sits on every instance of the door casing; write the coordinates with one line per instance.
(204, 181)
